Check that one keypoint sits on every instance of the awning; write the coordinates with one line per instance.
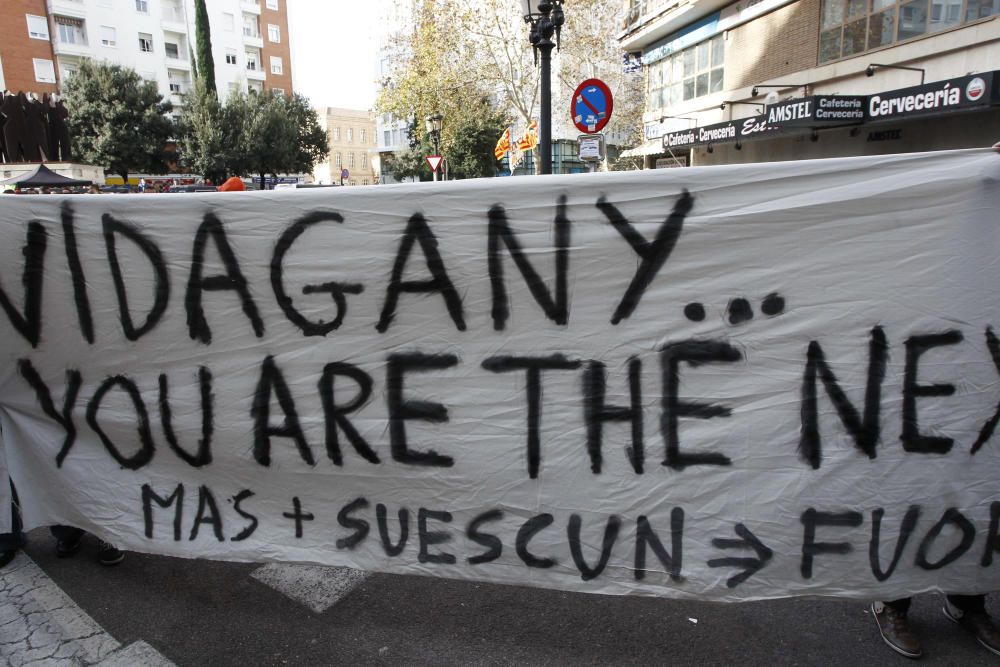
(651, 147)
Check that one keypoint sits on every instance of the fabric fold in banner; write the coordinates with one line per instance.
(725, 383)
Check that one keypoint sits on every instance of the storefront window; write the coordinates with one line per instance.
(848, 27)
(685, 75)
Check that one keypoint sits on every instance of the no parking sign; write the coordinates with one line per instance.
(591, 106)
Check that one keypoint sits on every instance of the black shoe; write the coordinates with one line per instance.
(895, 631)
(979, 624)
(108, 554)
(7, 556)
(66, 548)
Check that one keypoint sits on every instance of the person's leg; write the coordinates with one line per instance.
(14, 540)
(969, 611)
(891, 618)
(68, 540)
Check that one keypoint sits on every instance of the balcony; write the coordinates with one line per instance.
(256, 75)
(74, 8)
(71, 49)
(252, 38)
(250, 6)
(179, 63)
(173, 19)
(647, 21)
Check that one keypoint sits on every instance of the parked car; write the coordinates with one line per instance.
(116, 188)
(193, 188)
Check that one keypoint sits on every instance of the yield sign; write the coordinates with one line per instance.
(433, 161)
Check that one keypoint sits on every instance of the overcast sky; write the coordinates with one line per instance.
(333, 51)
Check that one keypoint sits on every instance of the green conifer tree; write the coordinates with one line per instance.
(203, 36)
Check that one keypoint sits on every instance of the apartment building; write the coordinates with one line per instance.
(391, 133)
(42, 42)
(353, 147)
(26, 59)
(767, 80)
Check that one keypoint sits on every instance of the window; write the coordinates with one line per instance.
(142, 6)
(280, 92)
(145, 42)
(38, 27)
(250, 26)
(849, 27)
(336, 135)
(228, 22)
(175, 87)
(44, 71)
(350, 136)
(350, 160)
(364, 160)
(387, 136)
(338, 161)
(172, 11)
(251, 61)
(980, 9)
(272, 4)
(230, 56)
(273, 33)
(684, 75)
(108, 36)
(276, 65)
(70, 30)
(172, 50)
(364, 135)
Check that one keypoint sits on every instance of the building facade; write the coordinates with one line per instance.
(353, 147)
(392, 134)
(765, 80)
(26, 59)
(42, 42)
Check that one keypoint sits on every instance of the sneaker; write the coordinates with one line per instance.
(66, 548)
(895, 631)
(979, 624)
(108, 554)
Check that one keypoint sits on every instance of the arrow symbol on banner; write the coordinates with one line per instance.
(751, 565)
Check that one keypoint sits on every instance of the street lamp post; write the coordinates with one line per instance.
(546, 19)
(433, 125)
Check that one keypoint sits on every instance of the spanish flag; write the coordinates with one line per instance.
(530, 138)
(503, 145)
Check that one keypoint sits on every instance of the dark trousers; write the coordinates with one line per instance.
(66, 533)
(15, 538)
(971, 604)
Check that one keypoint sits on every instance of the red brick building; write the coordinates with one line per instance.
(26, 59)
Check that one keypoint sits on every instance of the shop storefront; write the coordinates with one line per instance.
(962, 112)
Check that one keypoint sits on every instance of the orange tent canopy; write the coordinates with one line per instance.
(232, 184)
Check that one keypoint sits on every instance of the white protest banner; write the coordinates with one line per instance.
(728, 383)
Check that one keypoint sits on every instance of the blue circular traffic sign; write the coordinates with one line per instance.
(591, 106)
